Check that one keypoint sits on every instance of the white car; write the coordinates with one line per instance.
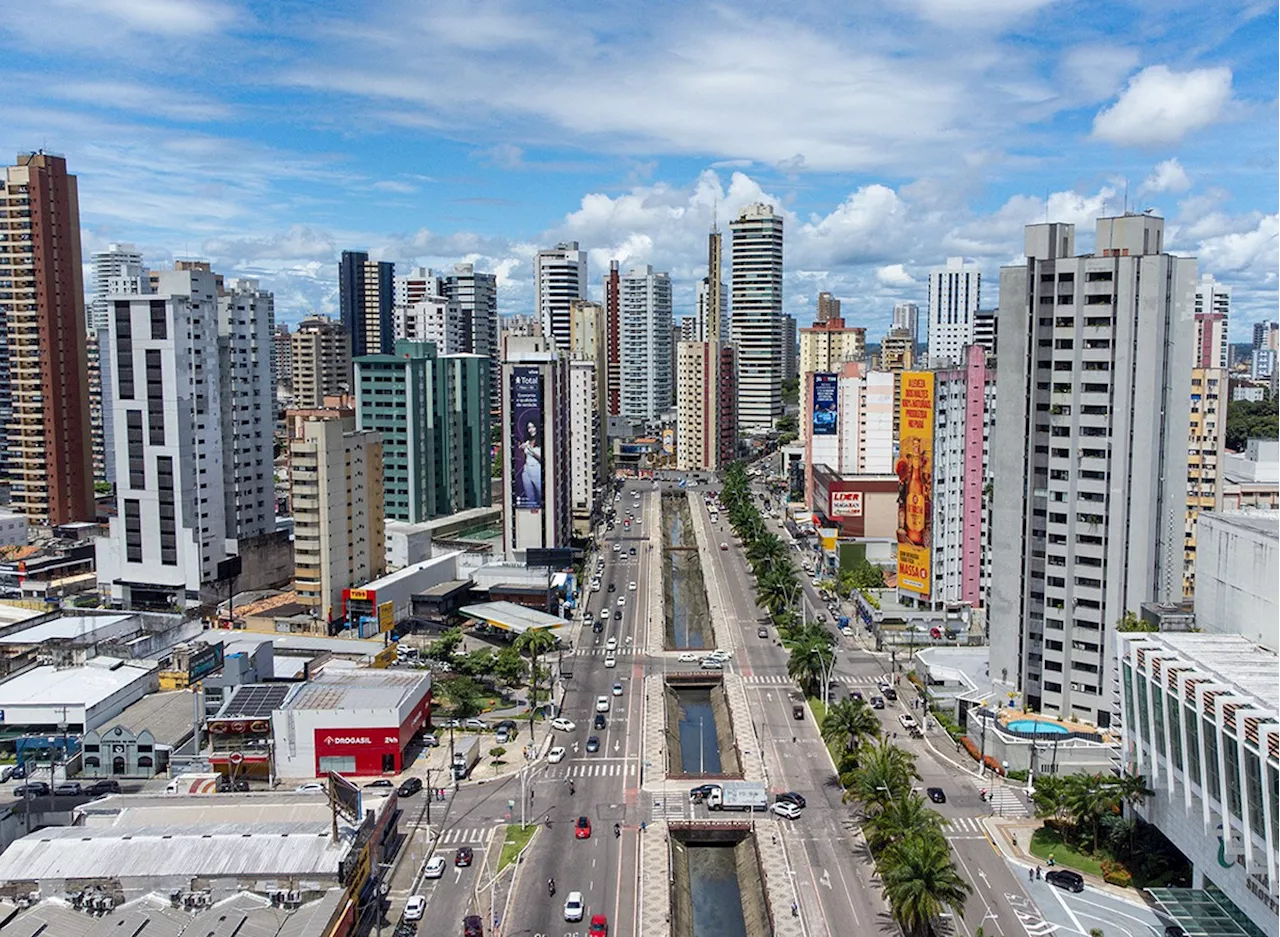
(711, 663)
(784, 809)
(617, 548)
(688, 657)
(573, 907)
(622, 600)
(719, 654)
(415, 906)
(611, 644)
(604, 614)
(610, 661)
(561, 724)
(556, 755)
(602, 704)
(631, 587)
(435, 867)
(595, 585)
(617, 689)
(311, 787)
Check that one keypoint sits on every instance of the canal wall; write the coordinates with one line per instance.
(724, 623)
(725, 739)
(683, 556)
(726, 744)
(755, 904)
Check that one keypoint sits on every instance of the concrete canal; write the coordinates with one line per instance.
(688, 623)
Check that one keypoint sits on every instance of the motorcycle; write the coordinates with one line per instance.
(551, 888)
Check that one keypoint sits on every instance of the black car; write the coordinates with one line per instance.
(936, 794)
(889, 692)
(409, 786)
(508, 724)
(613, 587)
(103, 786)
(240, 784)
(381, 782)
(593, 743)
(32, 789)
(856, 694)
(617, 614)
(462, 857)
(701, 791)
(1065, 878)
(597, 626)
(633, 551)
(599, 722)
(472, 926)
(877, 702)
(791, 797)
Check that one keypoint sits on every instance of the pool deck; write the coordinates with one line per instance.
(1010, 717)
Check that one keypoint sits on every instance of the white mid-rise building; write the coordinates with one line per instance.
(1213, 313)
(906, 316)
(857, 439)
(756, 323)
(645, 314)
(118, 269)
(586, 444)
(954, 294)
(433, 319)
(559, 277)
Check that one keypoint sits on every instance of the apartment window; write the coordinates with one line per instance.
(1098, 276)
(155, 398)
(1193, 748)
(133, 530)
(168, 519)
(124, 351)
(159, 324)
(133, 435)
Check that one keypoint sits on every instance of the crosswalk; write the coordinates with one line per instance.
(781, 679)
(1004, 800)
(464, 836)
(599, 770)
(963, 825)
(620, 651)
(670, 805)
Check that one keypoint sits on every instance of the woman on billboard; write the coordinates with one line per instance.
(531, 473)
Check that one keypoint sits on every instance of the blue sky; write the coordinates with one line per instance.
(268, 137)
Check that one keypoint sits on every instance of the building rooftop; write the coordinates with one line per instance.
(378, 689)
(512, 617)
(445, 588)
(167, 716)
(386, 582)
(307, 645)
(1266, 523)
(73, 686)
(87, 628)
(1231, 659)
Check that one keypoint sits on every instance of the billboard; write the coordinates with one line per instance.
(527, 425)
(386, 616)
(826, 393)
(668, 441)
(915, 482)
(846, 504)
(205, 661)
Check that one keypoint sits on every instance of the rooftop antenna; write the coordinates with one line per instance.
(715, 209)
(1126, 196)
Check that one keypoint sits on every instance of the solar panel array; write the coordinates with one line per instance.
(257, 702)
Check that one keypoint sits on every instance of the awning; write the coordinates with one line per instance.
(512, 617)
(1204, 913)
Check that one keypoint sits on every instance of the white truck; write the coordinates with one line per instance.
(466, 755)
(738, 795)
(198, 784)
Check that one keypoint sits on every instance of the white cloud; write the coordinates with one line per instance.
(1168, 176)
(1161, 106)
(977, 14)
(894, 275)
(392, 185)
(1094, 72)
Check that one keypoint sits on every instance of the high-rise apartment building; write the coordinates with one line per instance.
(897, 354)
(689, 326)
(906, 317)
(984, 329)
(432, 413)
(955, 291)
(790, 355)
(588, 351)
(282, 357)
(246, 323)
(847, 413)
(705, 327)
(433, 319)
(320, 351)
(613, 338)
(1090, 455)
(559, 277)
(827, 345)
(536, 508)
(171, 528)
(46, 450)
(645, 315)
(828, 308)
(476, 295)
(1264, 335)
(116, 270)
(366, 297)
(1206, 442)
(757, 314)
(415, 285)
(339, 533)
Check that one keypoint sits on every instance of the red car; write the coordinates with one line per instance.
(582, 829)
(599, 926)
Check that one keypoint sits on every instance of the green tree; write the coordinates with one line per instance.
(791, 390)
(902, 818)
(920, 882)
(463, 694)
(477, 663)
(849, 723)
(509, 666)
(1131, 622)
(787, 424)
(884, 772)
(444, 647)
(808, 664)
(1247, 419)
(534, 643)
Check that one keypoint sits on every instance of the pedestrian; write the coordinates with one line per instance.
(1037, 873)
(1031, 875)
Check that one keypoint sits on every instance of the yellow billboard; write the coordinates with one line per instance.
(386, 616)
(915, 482)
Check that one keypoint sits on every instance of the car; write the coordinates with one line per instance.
(1065, 879)
(380, 783)
(617, 615)
(556, 755)
(474, 723)
(688, 657)
(593, 744)
(599, 926)
(889, 692)
(602, 704)
(435, 867)
(786, 809)
(791, 797)
(617, 689)
(633, 551)
(717, 652)
(599, 722)
(561, 724)
(32, 789)
(877, 702)
(908, 722)
(312, 787)
(631, 586)
(847, 631)
(103, 786)
(701, 791)
(414, 907)
(582, 829)
(936, 794)
(595, 585)
(622, 601)
(509, 725)
(409, 786)
(68, 789)
(610, 661)
(856, 695)
(617, 547)
(451, 724)
(430, 741)
(613, 587)
(762, 632)
(597, 627)
(611, 644)
(472, 926)
(573, 907)
(463, 856)
(19, 772)
(711, 663)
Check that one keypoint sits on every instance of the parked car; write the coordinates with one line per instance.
(877, 702)
(762, 632)
(688, 657)
(936, 794)
(414, 907)
(786, 809)
(463, 857)
(68, 789)
(791, 797)
(32, 789)
(1065, 879)
(889, 692)
(311, 787)
(711, 663)
(430, 741)
(103, 786)
(474, 723)
(409, 786)
(6, 773)
(435, 867)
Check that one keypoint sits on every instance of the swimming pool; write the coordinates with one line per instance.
(1035, 727)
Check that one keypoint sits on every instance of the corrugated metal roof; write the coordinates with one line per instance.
(242, 915)
(378, 689)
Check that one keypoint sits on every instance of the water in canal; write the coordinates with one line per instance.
(688, 624)
(699, 746)
(714, 890)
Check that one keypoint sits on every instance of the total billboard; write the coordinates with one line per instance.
(915, 482)
(527, 423)
(826, 395)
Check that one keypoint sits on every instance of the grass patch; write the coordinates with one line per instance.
(1046, 842)
(517, 838)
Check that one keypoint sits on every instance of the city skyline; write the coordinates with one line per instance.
(272, 176)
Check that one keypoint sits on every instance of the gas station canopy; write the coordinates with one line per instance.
(512, 617)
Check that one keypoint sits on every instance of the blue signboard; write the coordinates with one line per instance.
(826, 387)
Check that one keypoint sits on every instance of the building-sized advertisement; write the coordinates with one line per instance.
(527, 423)
(826, 395)
(915, 483)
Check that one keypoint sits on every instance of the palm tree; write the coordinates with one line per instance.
(901, 818)
(776, 590)
(849, 723)
(808, 664)
(1089, 799)
(884, 772)
(534, 643)
(812, 631)
(920, 882)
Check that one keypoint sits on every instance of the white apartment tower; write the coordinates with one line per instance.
(757, 314)
(118, 269)
(433, 318)
(1213, 315)
(559, 277)
(645, 318)
(907, 316)
(1089, 457)
(586, 443)
(954, 294)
